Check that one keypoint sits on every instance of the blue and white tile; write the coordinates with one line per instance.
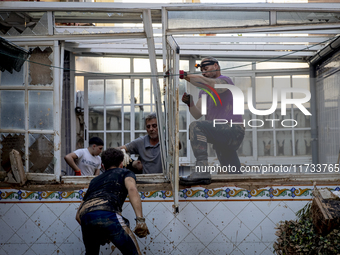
(266, 206)
(30, 208)
(206, 251)
(30, 252)
(58, 232)
(29, 232)
(147, 207)
(236, 251)
(280, 213)
(236, 206)
(251, 216)
(206, 207)
(221, 245)
(15, 245)
(44, 218)
(265, 231)
(190, 216)
(161, 245)
(68, 217)
(68, 248)
(190, 245)
(205, 231)
(15, 217)
(160, 216)
(268, 251)
(4, 208)
(236, 231)
(177, 252)
(59, 208)
(6, 231)
(251, 245)
(220, 216)
(296, 205)
(175, 231)
(44, 245)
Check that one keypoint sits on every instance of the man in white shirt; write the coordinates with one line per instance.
(86, 161)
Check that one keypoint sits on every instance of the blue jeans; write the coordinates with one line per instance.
(99, 227)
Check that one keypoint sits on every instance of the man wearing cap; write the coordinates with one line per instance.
(226, 138)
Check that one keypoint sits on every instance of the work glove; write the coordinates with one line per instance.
(182, 74)
(187, 99)
(78, 172)
(126, 159)
(141, 230)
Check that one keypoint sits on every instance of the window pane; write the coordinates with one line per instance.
(96, 92)
(137, 90)
(205, 19)
(146, 99)
(113, 93)
(113, 140)
(40, 74)
(127, 91)
(264, 89)
(79, 80)
(243, 83)
(141, 65)
(265, 143)
(96, 118)
(282, 82)
(232, 66)
(246, 148)
(127, 118)
(183, 117)
(183, 141)
(12, 79)
(301, 82)
(139, 134)
(113, 118)
(140, 113)
(12, 109)
(41, 154)
(40, 110)
(280, 65)
(127, 138)
(8, 143)
(284, 145)
(302, 119)
(303, 142)
(103, 65)
(306, 17)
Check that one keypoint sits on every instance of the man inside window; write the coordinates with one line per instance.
(86, 161)
(100, 213)
(225, 138)
(147, 147)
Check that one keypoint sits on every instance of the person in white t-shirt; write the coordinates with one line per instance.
(86, 161)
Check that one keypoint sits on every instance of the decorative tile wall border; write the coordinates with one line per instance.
(225, 193)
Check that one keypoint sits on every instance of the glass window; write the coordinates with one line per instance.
(206, 19)
(12, 109)
(40, 110)
(12, 79)
(102, 65)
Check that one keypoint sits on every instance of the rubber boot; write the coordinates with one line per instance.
(199, 176)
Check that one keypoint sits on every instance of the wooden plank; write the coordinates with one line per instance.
(17, 167)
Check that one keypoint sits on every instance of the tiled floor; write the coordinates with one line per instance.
(211, 227)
